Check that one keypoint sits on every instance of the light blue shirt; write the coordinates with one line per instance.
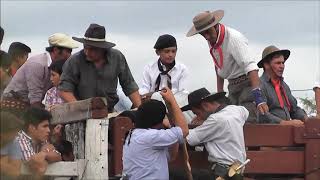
(12, 150)
(146, 157)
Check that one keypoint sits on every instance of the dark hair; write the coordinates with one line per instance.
(9, 122)
(1, 34)
(34, 116)
(17, 49)
(50, 48)
(132, 115)
(4, 60)
(64, 147)
(56, 66)
(150, 113)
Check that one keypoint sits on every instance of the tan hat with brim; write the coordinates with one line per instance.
(270, 51)
(204, 21)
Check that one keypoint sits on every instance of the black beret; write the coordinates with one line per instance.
(165, 41)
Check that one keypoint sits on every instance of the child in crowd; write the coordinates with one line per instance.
(165, 72)
(52, 97)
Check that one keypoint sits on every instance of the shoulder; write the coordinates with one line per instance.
(181, 65)
(232, 109)
(151, 65)
(75, 57)
(236, 35)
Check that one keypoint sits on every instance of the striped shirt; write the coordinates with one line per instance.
(27, 148)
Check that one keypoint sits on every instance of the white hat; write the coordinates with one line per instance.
(62, 40)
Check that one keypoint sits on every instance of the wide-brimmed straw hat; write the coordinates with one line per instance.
(195, 97)
(270, 51)
(95, 36)
(204, 21)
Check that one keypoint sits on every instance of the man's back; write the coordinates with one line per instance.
(146, 156)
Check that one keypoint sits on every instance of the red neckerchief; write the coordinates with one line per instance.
(217, 46)
(279, 89)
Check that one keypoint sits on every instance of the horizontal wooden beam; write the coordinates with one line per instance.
(269, 135)
(275, 162)
(61, 169)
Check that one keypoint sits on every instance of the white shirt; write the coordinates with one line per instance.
(179, 74)
(237, 59)
(146, 157)
(222, 135)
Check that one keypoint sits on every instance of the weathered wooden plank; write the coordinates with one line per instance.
(269, 135)
(62, 169)
(275, 162)
(75, 134)
(78, 110)
(96, 149)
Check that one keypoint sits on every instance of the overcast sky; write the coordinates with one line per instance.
(135, 26)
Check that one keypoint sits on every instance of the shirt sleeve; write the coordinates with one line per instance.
(26, 149)
(126, 79)
(166, 137)
(183, 81)
(15, 151)
(241, 53)
(70, 76)
(35, 73)
(146, 81)
(209, 130)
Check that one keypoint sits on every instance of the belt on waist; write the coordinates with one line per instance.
(238, 79)
(222, 171)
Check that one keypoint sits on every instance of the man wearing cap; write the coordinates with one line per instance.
(32, 80)
(221, 131)
(146, 148)
(95, 71)
(233, 61)
(282, 105)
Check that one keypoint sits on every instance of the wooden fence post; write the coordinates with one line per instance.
(96, 149)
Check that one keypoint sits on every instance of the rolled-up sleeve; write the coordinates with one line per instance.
(35, 74)
(126, 79)
(69, 78)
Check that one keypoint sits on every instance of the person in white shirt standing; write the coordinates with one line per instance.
(221, 131)
(233, 61)
(166, 71)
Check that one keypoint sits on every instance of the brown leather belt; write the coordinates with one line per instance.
(238, 79)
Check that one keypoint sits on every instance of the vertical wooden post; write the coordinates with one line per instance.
(96, 149)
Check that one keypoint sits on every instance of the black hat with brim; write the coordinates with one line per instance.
(95, 36)
(202, 94)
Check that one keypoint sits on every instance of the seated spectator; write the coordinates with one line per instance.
(146, 148)
(166, 71)
(33, 141)
(52, 96)
(18, 53)
(9, 153)
(283, 107)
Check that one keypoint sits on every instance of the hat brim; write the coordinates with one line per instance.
(218, 15)
(210, 97)
(284, 52)
(99, 44)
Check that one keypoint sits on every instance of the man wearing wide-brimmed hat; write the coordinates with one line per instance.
(232, 59)
(95, 71)
(283, 108)
(221, 131)
(32, 80)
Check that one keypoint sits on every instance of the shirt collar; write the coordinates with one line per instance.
(25, 135)
(265, 76)
(49, 60)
